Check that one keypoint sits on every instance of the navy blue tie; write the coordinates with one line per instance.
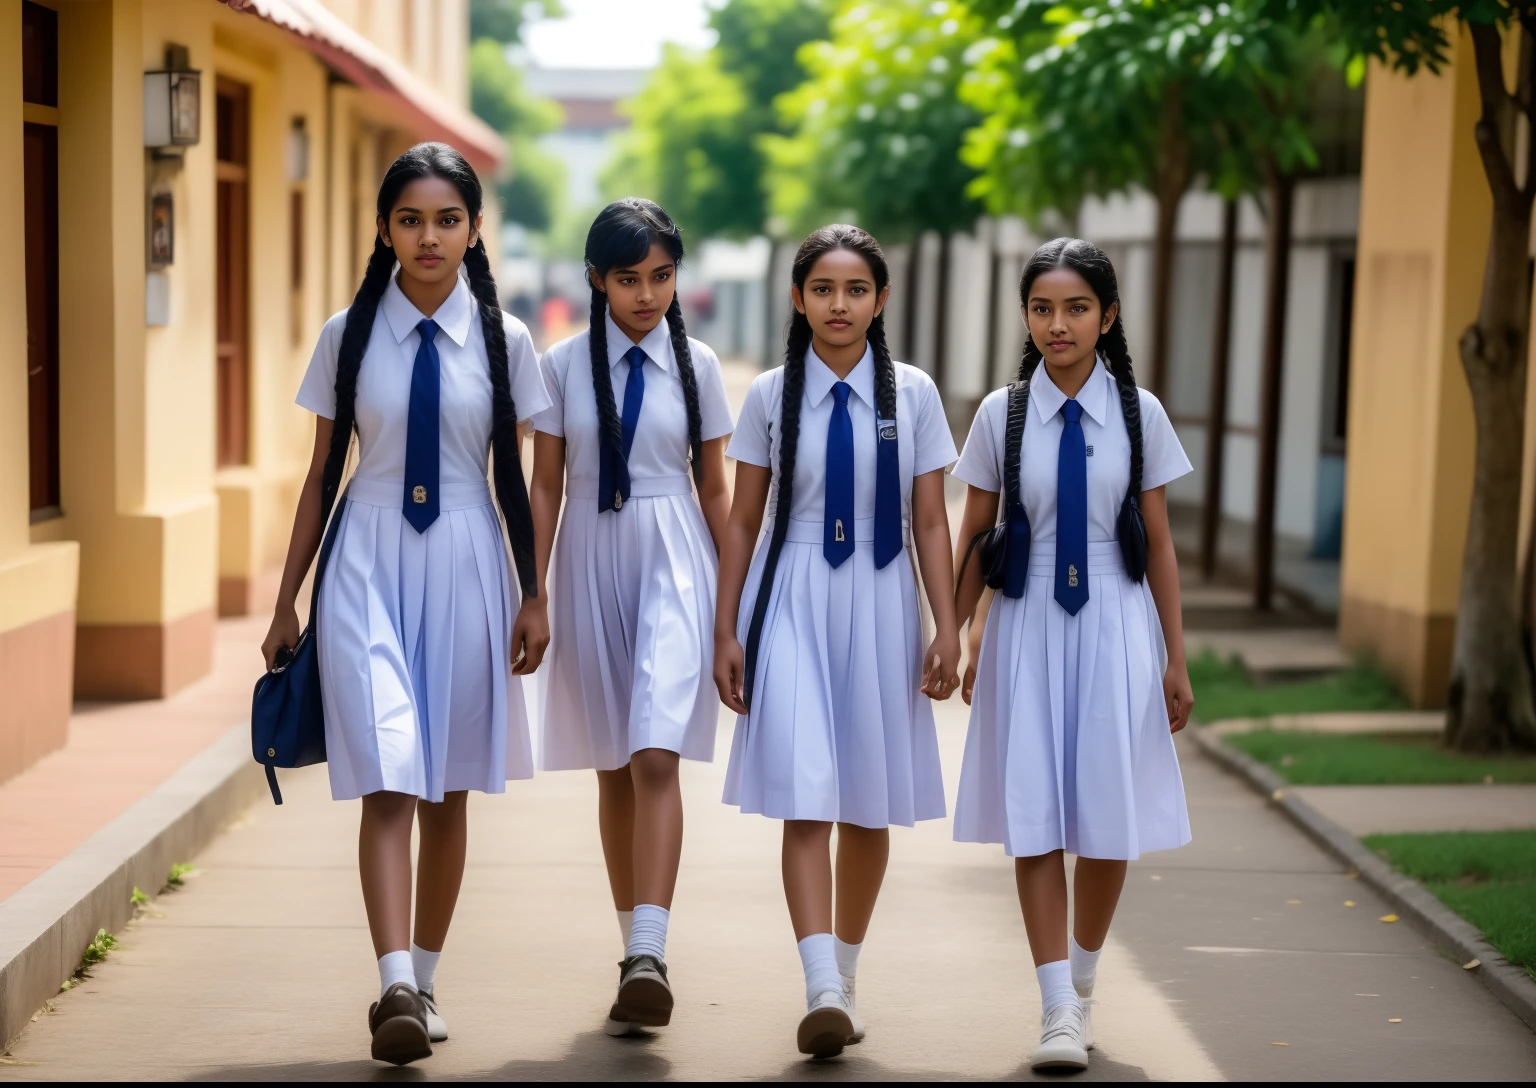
(837, 540)
(613, 482)
(1072, 512)
(422, 432)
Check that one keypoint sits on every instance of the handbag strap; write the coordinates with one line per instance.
(327, 542)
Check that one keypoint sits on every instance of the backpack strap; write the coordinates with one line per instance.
(1013, 444)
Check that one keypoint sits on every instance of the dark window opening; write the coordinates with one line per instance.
(41, 170)
(39, 54)
(233, 303)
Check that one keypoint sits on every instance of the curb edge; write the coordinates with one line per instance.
(1448, 930)
(46, 922)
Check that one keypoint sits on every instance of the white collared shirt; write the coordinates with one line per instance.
(1109, 443)
(924, 441)
(661, 435)
(384, 383)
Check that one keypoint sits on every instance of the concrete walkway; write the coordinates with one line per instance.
(260, 968)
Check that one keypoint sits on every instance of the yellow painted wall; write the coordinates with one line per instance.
(1424, 220)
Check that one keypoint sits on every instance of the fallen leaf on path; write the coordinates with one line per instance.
(1157, 878)
(1471, 964)
(1395, 1020)
(1353, 874)
(1389, 917)
(1367, 995)
(1293, 902)
(1487, 779)
(1279, 1044)
(1349, 902)
(1278, 795)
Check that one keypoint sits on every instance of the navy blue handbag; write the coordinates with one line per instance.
(287, 716)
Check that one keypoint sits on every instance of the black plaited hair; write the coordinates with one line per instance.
(620, 237)
(797, 343)
(435, 160)
(1093, 264)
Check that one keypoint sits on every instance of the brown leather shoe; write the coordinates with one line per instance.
(398, 1021)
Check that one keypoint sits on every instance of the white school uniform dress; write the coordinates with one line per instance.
(632, 593)
(1068, 747)
(839, 730)
(415, 628)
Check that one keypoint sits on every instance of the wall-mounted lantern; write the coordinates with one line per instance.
(298, 151)
(173, 102)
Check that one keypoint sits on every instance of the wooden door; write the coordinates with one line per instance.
(233, 288)
(40, 172)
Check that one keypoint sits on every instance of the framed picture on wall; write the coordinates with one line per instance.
(162, 230)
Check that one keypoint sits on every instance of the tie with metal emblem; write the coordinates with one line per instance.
(423, 432)
(1072, 512)
(837, 542)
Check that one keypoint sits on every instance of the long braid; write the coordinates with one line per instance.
(610, 429)
(511, 489)
(797, 344)
(349, 361)
(684, 357)
(885, 370)
(1030, 360)
(1118, 353)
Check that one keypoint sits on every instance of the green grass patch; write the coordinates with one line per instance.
(1222, 690)
(1487, 877)
(1375, 759)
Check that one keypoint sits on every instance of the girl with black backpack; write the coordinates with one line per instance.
(1081, 681)
(419, 655)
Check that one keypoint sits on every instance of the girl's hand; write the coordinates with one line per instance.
(969, 686)
(283, 634)
(1179, 696)
(941, 671)
(730, 672)
(973, 651)
(530, 635)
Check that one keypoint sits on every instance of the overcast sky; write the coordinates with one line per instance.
(616, 33)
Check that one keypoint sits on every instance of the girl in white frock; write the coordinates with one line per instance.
(416, 640)
(629, 687)
(818, 645)
(1081, 680)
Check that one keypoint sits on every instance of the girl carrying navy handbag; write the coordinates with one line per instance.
(287, 718)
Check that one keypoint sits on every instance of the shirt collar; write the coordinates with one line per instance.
(1093, 396)
(452, 316)
(657, 344)
(819, 378)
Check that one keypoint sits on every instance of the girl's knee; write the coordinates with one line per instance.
(653, 769)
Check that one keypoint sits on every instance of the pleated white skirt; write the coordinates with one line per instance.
(1068, 747)
(631, 660)
(414, 646)
(839, 730)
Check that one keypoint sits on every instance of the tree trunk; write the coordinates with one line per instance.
(941, 319)
(1489, 701)
(1171, 177)
(1277, 261)
(1216, 412)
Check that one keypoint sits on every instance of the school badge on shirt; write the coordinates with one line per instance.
(887, 429)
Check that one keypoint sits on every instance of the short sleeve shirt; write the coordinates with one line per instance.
(661, 445)
(1105, 434)
(384, 383)
(924, 443)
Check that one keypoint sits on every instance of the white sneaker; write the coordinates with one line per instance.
(1061, 1040)
(827, 1027)
(620, 1028)
(853, 1012)
(437, 1027)
(1086, 997)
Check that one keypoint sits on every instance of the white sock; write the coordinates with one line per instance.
(820, 962)
(1055, 985)
(648, 931)
(626, 921)
(395, 967)
(847, 957)
(1084, 965)
(424, 964)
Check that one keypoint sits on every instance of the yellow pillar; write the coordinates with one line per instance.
(1424, 219)
(37, 581)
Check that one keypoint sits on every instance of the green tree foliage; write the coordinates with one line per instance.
(503, 20)
(1490, 704)
(698, 122)
(878, 125)
(530, 188)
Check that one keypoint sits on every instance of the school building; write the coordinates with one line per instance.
(199, 186)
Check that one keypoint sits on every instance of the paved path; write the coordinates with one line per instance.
(260, 967)
(1368, 810)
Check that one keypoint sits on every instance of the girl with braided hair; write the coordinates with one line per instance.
(637, 426)
(818, 635)
(1081, 683)
(419, 657)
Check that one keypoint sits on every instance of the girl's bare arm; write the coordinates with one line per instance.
(302, 545)
(1163, 579)
(930, 536)
(742, 525)
(714, 492)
